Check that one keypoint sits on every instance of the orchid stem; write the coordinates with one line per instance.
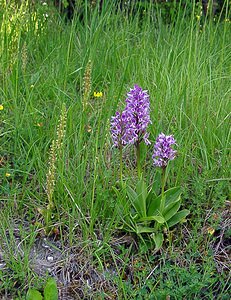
(138, 159)
(121, 165)
(163, 181)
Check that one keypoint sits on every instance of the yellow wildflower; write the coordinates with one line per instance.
(88, 128)
(1, 107)
(210, 230)
(7, 174)
(98, 94)
(39, 124)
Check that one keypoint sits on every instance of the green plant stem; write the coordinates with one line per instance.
(163, 180)
(138, 159)
(47, 219)
(121, 166)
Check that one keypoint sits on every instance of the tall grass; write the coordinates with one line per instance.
(186, 69)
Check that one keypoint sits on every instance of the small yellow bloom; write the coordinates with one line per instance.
(1, 107)
(98, 94)
(88, 128)
(7, 174)
(39, 124)
(210, 230)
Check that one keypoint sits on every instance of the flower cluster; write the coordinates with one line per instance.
(121, 131)
(163, 151)
(98, 94)
(87, 84)
(130, 126)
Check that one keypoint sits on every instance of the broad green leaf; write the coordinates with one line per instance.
(168, 214)
(172, 195)
(159, 219)
(145, 229)
(33, 294)
(135, 201)
(150, 196)
(51, 290)
(154, 206)
(170, 205)
(132, 195)
(157, 183)
(141, 190)
(180, 215)
(158, 239)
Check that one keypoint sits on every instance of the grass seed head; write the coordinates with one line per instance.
(55, 152)
(87, 84)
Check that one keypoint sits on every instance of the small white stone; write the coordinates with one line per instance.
(50, 258)
(2, 266)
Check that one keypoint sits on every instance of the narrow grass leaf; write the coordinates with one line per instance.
(144, 229)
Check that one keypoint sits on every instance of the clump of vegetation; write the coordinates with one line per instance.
(50, 292)
(147, 211)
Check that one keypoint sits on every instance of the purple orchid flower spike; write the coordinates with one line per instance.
(130, 126)
(122, 132)
(163, 151)
(138, 113)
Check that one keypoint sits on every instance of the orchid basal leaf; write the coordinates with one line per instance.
(178, 217)
(168, 214)
(158, 219)
(158, 239)
(154, 206)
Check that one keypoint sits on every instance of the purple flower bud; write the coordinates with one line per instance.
(162, 150)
